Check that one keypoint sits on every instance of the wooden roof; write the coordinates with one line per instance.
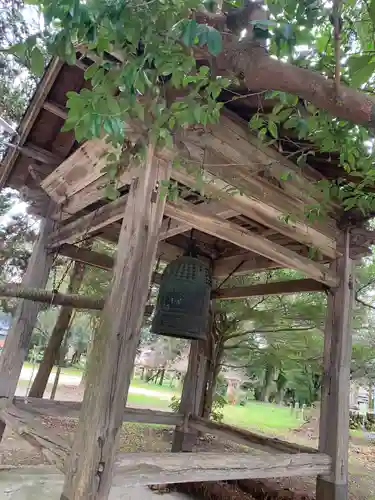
(240, 232)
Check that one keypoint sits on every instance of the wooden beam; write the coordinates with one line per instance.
(191, 397)
(71, 409)
(187, 213)
(137, 469)
(170, 227)
(334, 419)
(273, 288)
(90, 257)
(31, 114)
(247, 438)
(90, 223)
(90, 467)
(242, 264)
(55, 109)
(18, 338)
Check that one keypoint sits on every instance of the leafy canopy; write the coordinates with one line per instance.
(153, 43)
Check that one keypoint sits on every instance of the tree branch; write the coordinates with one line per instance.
(262, 72)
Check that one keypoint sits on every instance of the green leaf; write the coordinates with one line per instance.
(190, 32)
(214, 42)
(90, 71)
(361, 68)
(272, 127)
(37, 61)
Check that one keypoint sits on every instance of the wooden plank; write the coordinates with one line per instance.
(31, 114)
(136, 469)
(81, 168)
(72, 409)
(247, 438)
(273, 288)
(185, 212)
(89, 470)
(334, 422)
(17, 341)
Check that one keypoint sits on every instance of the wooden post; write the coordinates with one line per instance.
(191, 397)
(18, 339)
(334, 419)
(89, 469)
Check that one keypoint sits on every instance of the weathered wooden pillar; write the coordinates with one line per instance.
(334, 418)
(89, 469)
(192, 396)
(18, 339)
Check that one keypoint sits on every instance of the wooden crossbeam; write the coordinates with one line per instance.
(273, 288)
(72, 409)
(171, 228)
(242, 264)
(137, 469)
(86, 256)
(187, 213)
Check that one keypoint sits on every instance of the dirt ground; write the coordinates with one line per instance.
(140, 437)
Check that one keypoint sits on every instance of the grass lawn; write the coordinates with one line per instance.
(263, 417)
(141, 384)
(148, 402)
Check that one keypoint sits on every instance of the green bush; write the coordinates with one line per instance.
(217, 413)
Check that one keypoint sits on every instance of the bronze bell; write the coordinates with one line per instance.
(183, 304)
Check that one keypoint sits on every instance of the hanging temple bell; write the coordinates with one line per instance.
(183, 305)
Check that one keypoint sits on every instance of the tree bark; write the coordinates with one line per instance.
(268, 376)
(214, 370)
(162, 373)
(51, 352)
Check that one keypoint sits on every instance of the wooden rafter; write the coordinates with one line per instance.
(273, 288)
(187, 213)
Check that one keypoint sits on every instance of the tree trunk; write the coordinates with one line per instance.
(62, 323)
(213, 373)
(162, 373)
(280, 385)
(268, 376)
